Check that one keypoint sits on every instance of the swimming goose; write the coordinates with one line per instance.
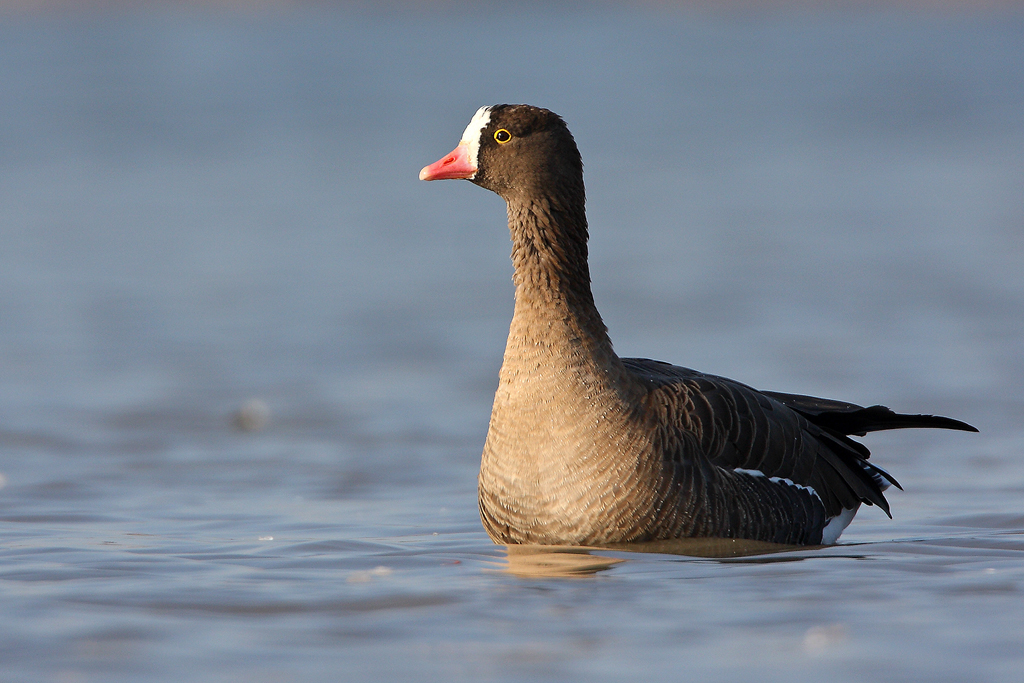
(586, 448)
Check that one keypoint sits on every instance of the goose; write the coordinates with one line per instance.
(587, 448)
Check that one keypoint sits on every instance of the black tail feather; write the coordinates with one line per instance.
(847, 418)
(880, 418)
(881, 476)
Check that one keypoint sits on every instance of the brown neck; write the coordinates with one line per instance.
(552, 278)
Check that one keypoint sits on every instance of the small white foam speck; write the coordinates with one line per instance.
(368, 575)
(266, 538)
(817, 638)
(252, 416)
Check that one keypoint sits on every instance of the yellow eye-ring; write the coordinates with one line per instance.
(502, 136)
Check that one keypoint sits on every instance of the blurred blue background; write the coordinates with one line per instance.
(206, 204)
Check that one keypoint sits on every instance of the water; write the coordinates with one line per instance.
(204, 207)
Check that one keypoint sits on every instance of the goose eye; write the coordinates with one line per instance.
(502, 136)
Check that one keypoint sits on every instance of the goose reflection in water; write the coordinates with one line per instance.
(566, 561)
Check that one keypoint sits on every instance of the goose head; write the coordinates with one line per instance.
(516, 151)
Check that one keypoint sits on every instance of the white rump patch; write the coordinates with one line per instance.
(830, 534)
(472, 135)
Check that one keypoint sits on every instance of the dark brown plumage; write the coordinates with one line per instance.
(588, 448)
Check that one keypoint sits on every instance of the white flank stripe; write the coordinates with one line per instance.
(834, 527)
(472, 135)
(779, 480)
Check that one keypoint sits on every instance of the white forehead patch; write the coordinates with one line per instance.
(472, 135)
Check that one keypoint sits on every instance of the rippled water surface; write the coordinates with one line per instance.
(208, 210)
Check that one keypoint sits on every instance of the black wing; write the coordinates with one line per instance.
(799, 438)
